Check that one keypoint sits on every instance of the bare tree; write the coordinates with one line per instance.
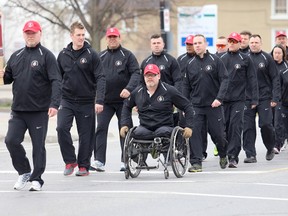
(96, 15)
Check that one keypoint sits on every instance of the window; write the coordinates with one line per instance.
(279, 9)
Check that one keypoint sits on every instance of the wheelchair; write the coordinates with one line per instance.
(175, 151)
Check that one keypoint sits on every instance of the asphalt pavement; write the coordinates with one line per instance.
(259, 189)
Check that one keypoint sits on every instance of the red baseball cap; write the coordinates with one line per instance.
(32, 26)
(235, 36)
(152, 68)
(281, 33)
(112, 32)
(189, 39)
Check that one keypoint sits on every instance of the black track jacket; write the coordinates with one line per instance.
(205, 80)
(83, 78)
(122, 71)
(36, 79)
(241, 73)
(267, 76)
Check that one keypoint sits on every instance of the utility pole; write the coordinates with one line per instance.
(164, 22)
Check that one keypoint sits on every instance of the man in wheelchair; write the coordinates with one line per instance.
(155, 101)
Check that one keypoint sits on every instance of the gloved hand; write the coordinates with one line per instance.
(123, 131)
(187, 132)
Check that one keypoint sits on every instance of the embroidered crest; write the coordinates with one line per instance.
(162, 67)
(237, 66)
(118, 63)
(208, 68)
(160, 98)
(34, 63)
(261, 65)
(83, 60)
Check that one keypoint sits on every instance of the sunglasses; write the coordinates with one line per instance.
(221, 45)
(233, 41)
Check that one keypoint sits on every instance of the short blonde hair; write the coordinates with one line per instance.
(76, 25)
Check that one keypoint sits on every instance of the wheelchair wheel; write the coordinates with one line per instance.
(179, 152)
(132, 158)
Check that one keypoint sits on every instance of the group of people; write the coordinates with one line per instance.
(210, 93)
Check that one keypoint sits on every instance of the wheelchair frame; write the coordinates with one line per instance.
(176, 149)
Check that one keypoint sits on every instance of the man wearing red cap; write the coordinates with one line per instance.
(241, 75)
(281, 38)
(122, 74)
(155, 101)
(184, 58)
(35, 76)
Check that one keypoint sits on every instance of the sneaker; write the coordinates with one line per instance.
(122, 167)
(270, 155)
(36, 186)
(195, 168)
(251, 159)
(232, 164)
(284, 145)
(22, 181)
(69, 168)
(223, 162)
(276, 151)
(98, 166)
(82, 172)
(215, 152)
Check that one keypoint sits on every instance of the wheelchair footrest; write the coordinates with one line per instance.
(146, 167)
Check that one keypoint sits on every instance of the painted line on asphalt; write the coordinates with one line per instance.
(159, 193)
(145, 172)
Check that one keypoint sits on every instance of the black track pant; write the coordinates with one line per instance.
(36, 123)
(265, 116)
(215, 119)
(85, 121)
(103, 121)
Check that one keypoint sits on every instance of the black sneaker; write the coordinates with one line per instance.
(251, 159)
(270, 155)
(232, 164)
(223, 162)
(195, 168)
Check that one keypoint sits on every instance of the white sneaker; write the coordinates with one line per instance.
(276, 151)
(98, 166)
(36, 186)
(22, 181)
(122, 167)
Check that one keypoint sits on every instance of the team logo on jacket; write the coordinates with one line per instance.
(208, 68)
(83, 60)
(34, 63)
(160, 98)
(118, 63)
(261, 65)
(161, 67)
(237, 66)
